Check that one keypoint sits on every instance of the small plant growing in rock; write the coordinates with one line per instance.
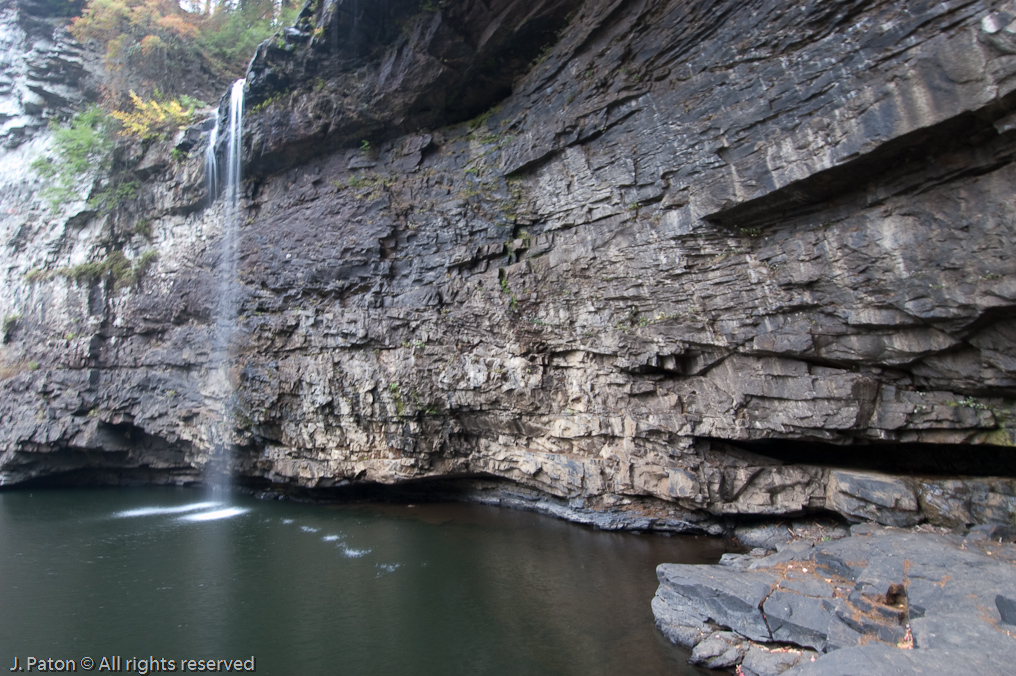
(11, 322)
(400, 405)
(144, 228)
(120, 269)
(37, 275)
(513, 303)
(482, 118)
(143, 264)
(9, 325)
(970, 402)
(270, 101)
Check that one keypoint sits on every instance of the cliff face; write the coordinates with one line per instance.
(670, 260)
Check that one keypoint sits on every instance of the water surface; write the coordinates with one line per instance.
(314, 589)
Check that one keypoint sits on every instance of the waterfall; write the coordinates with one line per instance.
(226, 315)
(233, 159)
(228, 298)
(212, 161)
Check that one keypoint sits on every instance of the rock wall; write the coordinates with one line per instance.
(678, 261)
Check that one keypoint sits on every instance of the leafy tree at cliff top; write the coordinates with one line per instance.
(230, 35)
(157, 44)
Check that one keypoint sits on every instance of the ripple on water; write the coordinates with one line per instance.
(385, 568)
(176, 509)
(353, 553)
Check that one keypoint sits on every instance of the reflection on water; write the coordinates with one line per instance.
(311, 589)
(214, 514)
(176, 509)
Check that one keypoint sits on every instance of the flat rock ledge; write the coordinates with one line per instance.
(879, 601)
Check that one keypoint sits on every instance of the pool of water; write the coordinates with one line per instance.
(378, 589)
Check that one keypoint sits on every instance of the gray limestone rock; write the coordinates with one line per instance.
(720, 650)
(865, 495)
(759, 661)
(726, 597)
(904, 600)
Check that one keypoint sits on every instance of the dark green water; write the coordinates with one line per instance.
(311, 589)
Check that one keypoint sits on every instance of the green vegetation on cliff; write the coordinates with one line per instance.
(78, 148)
(159, 59)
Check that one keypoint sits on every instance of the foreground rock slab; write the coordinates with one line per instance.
(881, 601)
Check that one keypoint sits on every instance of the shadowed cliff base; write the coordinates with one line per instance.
(896, 485)
(906, 459)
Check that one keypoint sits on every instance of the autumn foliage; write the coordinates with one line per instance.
(152, 119)
(157, 45)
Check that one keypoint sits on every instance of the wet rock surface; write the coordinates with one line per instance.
(686, 235)
(881, 601)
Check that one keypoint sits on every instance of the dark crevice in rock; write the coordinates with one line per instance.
(416, 490)
(907, 459)
(102, 454)
(114, 475)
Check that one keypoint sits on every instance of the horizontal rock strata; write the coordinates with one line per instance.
(677, 241)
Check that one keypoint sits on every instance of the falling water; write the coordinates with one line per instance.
(228, 303)
(227, 298)
(233, 158)
(212, 161)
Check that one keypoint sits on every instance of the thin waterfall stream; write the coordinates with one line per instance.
(219, 472)
(212, 161)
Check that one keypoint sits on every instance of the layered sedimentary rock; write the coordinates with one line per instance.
(678, 260)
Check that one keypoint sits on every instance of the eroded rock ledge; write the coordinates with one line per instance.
(880, 601)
